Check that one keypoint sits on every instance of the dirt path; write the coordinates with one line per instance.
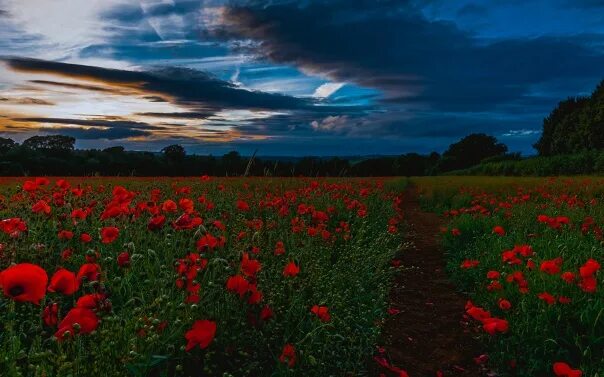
(429, 333)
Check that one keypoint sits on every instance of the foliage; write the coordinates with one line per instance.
(575, 125)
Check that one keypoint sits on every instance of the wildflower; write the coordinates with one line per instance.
(202, 333)
(24, 282)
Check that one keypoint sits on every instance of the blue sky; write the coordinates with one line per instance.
(322, 77)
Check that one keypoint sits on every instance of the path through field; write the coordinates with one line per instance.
(428, 334)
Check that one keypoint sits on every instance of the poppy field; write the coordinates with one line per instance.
(196, 276)
(528, 253)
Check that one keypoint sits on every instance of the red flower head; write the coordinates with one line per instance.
(238, 284)
(201, 333)
(41, 207)
(77, 321)
(288, 355)
(24, 282)
(291, 270)
(109, 234)
(322, 312)
(548, 298)
(90, 271)
(123, 260)
(50, 315)
(13, 226)
(64, 281)
(85, 238)
(551, 267)
(266, 313)
(495, 325)
(499, 230)
(156, 222)
(243, 206)
(250, 267)
(504, 304)
(564, 370)
(589, 268)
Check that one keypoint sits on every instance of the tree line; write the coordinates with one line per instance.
(56, 155)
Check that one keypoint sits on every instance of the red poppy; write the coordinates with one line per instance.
(288, 355)
(90, 301)
(238, 284)
(467, 264)
(266, 313)
(250, 267)
(548, 298)
(499, 230)
(50, 315)
(109, 234)
(322, 312)
(24, 282)
(589, 268)
(85, 238)
(551, 267)
(123, 260)
(156, 222)
(504, 304)
(243, 206)
(562, 369)
(495, 325)
(64, 281)
(77, 321)
(41, 207)
(90, 271)
(13, 227)
(291, 270)
(279, 248)
(202, 333)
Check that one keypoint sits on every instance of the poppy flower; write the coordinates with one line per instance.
(50, 315)
(291, 270)
(77, 321)
(322, 312)
(14, 227)
(109, 234)
(589, 268)
(499, 230)
(123, 260)
(504, 304)
(64, 281)
(562, 369)
(288, 355)
(90, 301)
(467, 264)
(90, 271)
(238, 284)
(202, 333)
(24, 282)
(41, 207)
(156, 222)
(249, 267)
(551, 267)
(279, 248)
(455, 232)
(568, 277)
(266, 313)
(548, 298)
(85, 238)
(243, 206)
(495, 325)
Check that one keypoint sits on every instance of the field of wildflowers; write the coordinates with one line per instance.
(204, 276)
(528, 252)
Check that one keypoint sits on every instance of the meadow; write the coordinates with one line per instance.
(528, 253)
(194, 276)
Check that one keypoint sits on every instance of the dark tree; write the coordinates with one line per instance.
(6, 144)
(470, 150)
(174, 152)
(56, 144)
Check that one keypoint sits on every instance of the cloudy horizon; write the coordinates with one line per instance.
(323, 77)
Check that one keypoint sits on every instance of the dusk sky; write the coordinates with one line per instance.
(324, 77)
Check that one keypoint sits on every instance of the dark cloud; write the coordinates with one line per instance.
(181, 115)
(93, 88)
(186, 86)
(390, 45)
(127, 124)
(26, 101)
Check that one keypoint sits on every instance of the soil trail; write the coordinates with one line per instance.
(428, 334)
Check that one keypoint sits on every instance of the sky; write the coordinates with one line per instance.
(296, 78)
